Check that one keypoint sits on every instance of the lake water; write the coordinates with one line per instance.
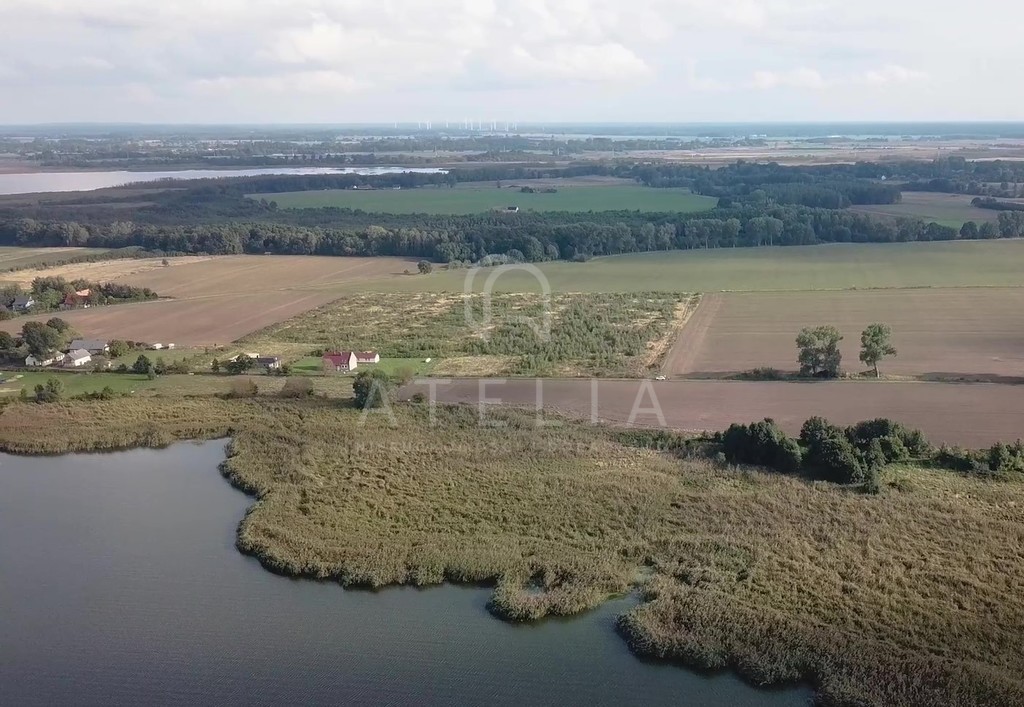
(34, 182)
(120, 584)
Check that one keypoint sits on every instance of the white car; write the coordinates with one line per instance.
(659, 378)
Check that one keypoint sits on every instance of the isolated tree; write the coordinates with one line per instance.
(819, 353)
(371, 388)
(58, 324)
(425, 267)
(215, 366)
(240, 365)
(40, 339)
(142, 365)
(875, 345)
(165, 262)
(118, 348)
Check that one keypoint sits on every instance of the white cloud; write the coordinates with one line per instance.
(550, 59)
(803, 78)
(589, 63)
(892, 73)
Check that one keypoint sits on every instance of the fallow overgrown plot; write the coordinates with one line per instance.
(586, 334)
(945, 334)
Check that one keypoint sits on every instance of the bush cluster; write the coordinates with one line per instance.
(852, 455)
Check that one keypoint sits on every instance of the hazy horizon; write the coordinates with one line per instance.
(336, 62)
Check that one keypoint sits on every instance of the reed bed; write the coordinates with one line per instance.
(910, 597)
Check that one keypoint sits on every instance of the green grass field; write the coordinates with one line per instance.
(75, 383)
(820, 267)
(469, 200)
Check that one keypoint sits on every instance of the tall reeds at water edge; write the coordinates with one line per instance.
(908, 597)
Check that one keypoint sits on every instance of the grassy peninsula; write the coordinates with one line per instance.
(910, 597)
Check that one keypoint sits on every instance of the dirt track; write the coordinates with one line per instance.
(973, 415)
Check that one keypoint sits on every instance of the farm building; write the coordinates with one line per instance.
(342, 361)
(77, 358)
(367, 357)
(93, 346)
(271, 363)
(40, 361)
(22, 302)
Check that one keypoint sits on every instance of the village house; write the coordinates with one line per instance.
(96, 347)
(77, 358)
(271, 363)
(22, 302)
(367, 357)
(74, 301)
(41, 361)
(340, 361)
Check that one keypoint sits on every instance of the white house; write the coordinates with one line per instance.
(77, 358)
(367, 357)
(22, 302)
(40, 361)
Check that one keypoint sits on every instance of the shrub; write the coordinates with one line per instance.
(371, 388)
(51, 392)
(243, 388)
(829, 454)
(898, 442)
(761, 444)
(297, 388)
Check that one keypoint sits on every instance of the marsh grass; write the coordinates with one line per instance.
(910, 597)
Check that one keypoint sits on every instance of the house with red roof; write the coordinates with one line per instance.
(340, 361)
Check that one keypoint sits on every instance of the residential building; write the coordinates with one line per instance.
(340, 361)
(22, 302)
(367, 357)
(271, 363)
(95, 347)
(41, 361)
(77, 358)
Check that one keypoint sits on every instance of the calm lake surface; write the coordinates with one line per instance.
(33, 182)
(120, 584)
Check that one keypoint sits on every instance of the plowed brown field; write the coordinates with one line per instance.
(973, 415)
(941, 334)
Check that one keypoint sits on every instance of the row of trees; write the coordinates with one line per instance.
(537, 236)
(819, 353)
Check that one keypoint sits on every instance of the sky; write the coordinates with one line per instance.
(353, 61)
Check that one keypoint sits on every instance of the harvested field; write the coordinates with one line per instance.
(950, 334)
(217, 299)
(973, 415)
(947, 209)
(995, 263)
(35, 257)
(201, 276)
(209, 321)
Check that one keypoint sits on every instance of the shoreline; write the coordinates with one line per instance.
(558, 522)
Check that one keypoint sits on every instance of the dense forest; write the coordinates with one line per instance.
(763, 204)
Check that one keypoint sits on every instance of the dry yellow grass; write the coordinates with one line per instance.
(910, 598)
